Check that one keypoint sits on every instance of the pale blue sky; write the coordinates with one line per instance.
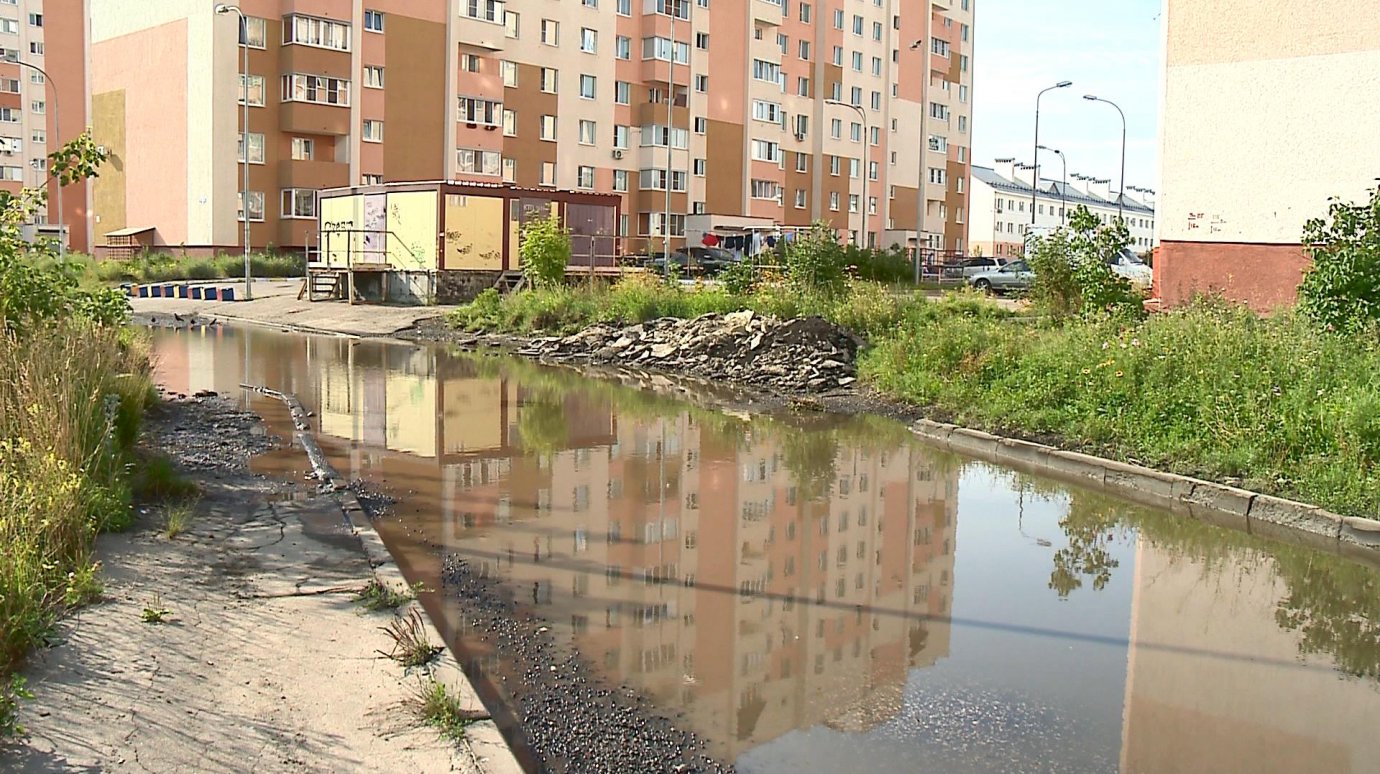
(1110, 48)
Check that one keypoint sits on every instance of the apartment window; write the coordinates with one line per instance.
(834, 166)
(549, 80)
(256, 148)
(39, 137)
(939, 111)
(701, 83)
(373, 21)
(509, 70)
(548, 173)
(766, 71)
(958, 186)
(963, 124)
(36, 47)
(939, 46)
(854, 168)
(802, 125)
(657, 136)
(373, 77)
(38, 106)
(510, 170)
(765, 189)
(298, 203)
(622, 47)
(678, 8)
(10, 115)
(876, 30)
(584, 177)
(962, 93)
(548, 128)
(251, 89)
(838, 18)
(855, 96)
(622, 92)
(834, 201)
(620, 180)
(511, 23)
(802, 162)
(474, 110)
(36, 77)
(509, 123)
(587, 86)
(373, 130)
(469, 63)
(655, 180)
(11, 27)
(802, 87)
(765, 150)
(12, 174)
(857, 24)
(875, 133)
(587, 132)
(872, 168)
(938, 176)
(697, 167)
(252, 32)
(620, 137)
(784, 43)
(589, 40)
(800, 198)
(654, 220)
(590, 3)
(300, 87)
(871, 205)
(939, 144)
(805, 50)
(805, 12)
(321, 33)
(661, 48)
(472, 161)
(963, 32)
(855, 132)
(857, 61)
(702, 41)
(701, 124)
(767, 111)
(256, 206)
(303, 149)
(35, 20)
(371, 179)
(624, 7)
(876, 65)
(853, 203)
(963, 62)
(550, 32)
(485, 10)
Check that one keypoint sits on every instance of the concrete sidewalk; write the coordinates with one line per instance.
(275, 303)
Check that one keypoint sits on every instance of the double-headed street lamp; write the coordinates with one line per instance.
(922, 171)
(1035, 176)
(1063, 192)
(12, 56)
(243, 29)
(862, 203)
(1121, 194)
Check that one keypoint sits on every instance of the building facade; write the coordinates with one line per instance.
(1001, 202)
(1267, 109)
(680, 107)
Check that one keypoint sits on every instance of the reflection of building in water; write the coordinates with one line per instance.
(1215, 684)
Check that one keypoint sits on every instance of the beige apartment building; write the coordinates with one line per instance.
(1268, 110)
(679, 106)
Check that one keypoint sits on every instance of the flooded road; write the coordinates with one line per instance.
(821, 594)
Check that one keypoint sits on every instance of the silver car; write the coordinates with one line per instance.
(1013, 277)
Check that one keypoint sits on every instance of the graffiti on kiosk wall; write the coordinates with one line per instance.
(375, 223)
(1213, 223)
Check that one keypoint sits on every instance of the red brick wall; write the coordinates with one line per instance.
(1265, 277)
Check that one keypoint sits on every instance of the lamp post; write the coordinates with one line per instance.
(921, 171)
(12, 56)
(1035, 175)
(1063, 192)
(670, 124)
(1121, 192)
(222, 9)
(862, 204)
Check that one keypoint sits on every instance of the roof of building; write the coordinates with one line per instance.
(1056, 190)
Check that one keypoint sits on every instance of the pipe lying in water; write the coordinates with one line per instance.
(321, 467)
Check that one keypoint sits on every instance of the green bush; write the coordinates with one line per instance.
(815, 261)
(1072, 276)
(1341, 289)
(545, 250)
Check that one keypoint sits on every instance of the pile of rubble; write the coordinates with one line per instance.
(807, 354)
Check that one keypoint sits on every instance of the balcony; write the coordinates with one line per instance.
(313, 118)
(313, 174)
(480, 33)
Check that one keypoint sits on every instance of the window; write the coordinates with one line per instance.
(549, 80)
(651, 224)
(800, 198)
(548, 173)
(589, 40)
(854, 167)
(590, 3)
(834, 166)
(661, 48)
(550, 32)
(939, 144)
(963, 62)
(767, 111)
(657, 136)
(35, 20)
(805, 50)
(620, 137)
(311, 31)
(678, 8)
(765, 150)
(36, 77)
(12, 174)
(624, 7)
(802, 87)
(620, 180)
(938, 176)
(511, 23)
(303, 149)
(766, 189)
(622, 92)
(838, 56)
(784, 43)
(802, 125)
(36, 47)
(548, 128)
(875, 133)
(855, 96)
(805, 12)
(962, 93)
(939, 46)
(872, 168)
(702, 41)
(963, 32)
(855, 132)
(853, 202)
(10, 115)
(701, 83)
(857, 24)
(939, 111)
(256, 206)
(584, 177)
(485, 10)
(857, 61)
(963, 124)
(587, 86)
(256, 148)
(958, 186)
(655, 180)
(373, 130)
(838, 18)
(509, 71)
(39, 137)
(471, 161)
(373, 77)
(701, 124)
(252, 32)
(876, 30)
(834, 201)
(587, 131)
(766, 71)
(802, 162)
(484, 112)
(509, 123)
(373, 21)
(697, 167)
(251, 88)
(298, 203)
(299, 87)
(11, 27)
(622, 47)
(469, 63)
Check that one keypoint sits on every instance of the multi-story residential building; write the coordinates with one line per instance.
(679, 106)
(1266, 114)
(42, 72)
(1001, 202)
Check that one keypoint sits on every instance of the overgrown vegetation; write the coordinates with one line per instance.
(167, 267)
(178, 517)
(375, 596)
(1342, 288)
(545, 250)
(411, 646)
(438, 707)
(73, 389)
(1072, 277)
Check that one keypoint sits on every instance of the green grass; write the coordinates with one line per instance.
(179, 516)
(439, 708)
(411, 646)
(376, 597)
(162, 267)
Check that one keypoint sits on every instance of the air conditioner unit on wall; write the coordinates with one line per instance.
(618, 154)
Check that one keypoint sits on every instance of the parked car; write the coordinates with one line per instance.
(978, 265)
(1129, 265)
(1013, 277)
(696, 262)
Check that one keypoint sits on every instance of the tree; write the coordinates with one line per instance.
(545, 250)
(1072, 276)
(815, 261)
(1341, 290)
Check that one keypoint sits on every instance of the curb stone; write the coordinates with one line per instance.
(1226, 506)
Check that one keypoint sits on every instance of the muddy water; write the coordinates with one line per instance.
(807, 594)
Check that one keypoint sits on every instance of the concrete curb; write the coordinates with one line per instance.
(488, 752)
(1264, 515)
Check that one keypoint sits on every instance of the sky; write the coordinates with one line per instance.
(1109, 48)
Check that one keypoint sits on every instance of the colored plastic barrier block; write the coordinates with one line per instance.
(212, 294)
(182, 291)
(227, 294)
(168, 291)
(156, 291)
(196, 292)
(141, 291)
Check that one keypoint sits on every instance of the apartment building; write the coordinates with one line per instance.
(44, 43)
(678, 106)
(1001, 204)
(1267, 113)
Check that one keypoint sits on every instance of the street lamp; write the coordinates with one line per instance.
(1035, 177)
(922, 167)
(12, 56)
(1063, 192)
(670, 130)
(1121, 193)
(243, 28)
(862, 205)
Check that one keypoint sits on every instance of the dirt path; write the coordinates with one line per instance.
(264, 663)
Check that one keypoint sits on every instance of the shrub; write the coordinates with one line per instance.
(1072, 276)
(545, 250)
(739, 279)
(815, 261)
(1341, 289)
